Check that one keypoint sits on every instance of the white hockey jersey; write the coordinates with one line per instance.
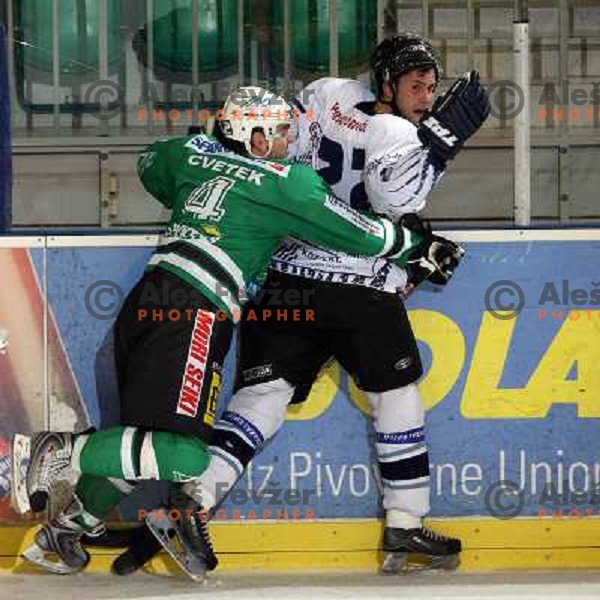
(354, 150)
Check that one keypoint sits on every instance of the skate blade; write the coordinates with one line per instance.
(449, 562)
(20, 456)
(37, 556)
(167, 533)
(397, 563)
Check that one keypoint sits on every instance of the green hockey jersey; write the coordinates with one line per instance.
(230, 213)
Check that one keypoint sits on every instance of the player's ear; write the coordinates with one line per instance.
(388, 92)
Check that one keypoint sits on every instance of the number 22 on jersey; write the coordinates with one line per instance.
(333, 153)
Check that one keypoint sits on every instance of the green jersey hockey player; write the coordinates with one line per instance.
(230, 211)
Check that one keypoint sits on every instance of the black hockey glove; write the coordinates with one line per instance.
(454, 118)
(438, 264)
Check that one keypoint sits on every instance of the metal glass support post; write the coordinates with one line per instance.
(5, 139)
(149, 75)
(56, 62)
(380, 20)
(522, 192)
(287, 50)
(254, 61)
(10, 53)
(103, 63)
(240, 9)
(564, 175)
(333, 40)
(470, 33)
(195, 62)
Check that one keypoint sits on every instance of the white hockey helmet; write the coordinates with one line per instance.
(251, 107)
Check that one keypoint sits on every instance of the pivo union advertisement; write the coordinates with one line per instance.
(511, 350)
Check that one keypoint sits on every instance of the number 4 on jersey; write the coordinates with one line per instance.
(205, 201)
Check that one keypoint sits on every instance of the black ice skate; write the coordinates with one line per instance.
(148, 540)
(143, 546)
(431, 550)
(41, 464)
(183, 532)
(57, 547)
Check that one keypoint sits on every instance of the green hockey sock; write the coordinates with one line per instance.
(99, 496)
(136, 454)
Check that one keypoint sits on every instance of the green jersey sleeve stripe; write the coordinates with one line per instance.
(198, 274)
(204, 260)
(390, 236)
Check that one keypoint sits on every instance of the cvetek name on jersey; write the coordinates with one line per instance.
(220, 166)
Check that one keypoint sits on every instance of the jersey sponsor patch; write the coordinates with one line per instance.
(320, 264)
(257, 373)
(346, 120)
(194, 373)
(213, 396)
(321, 275)
(181, 231)
(204, 145)
(273, 167)
(343, 210)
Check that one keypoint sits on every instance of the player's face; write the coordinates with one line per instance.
(259, 143)
(279, 146)
(414, 93)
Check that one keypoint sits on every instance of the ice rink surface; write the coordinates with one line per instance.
(310, 586)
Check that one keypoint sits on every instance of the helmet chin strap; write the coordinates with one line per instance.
(392, 103)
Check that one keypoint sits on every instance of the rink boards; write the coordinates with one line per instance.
(514, 399)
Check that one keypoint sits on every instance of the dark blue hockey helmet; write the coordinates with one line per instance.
(400, 54)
